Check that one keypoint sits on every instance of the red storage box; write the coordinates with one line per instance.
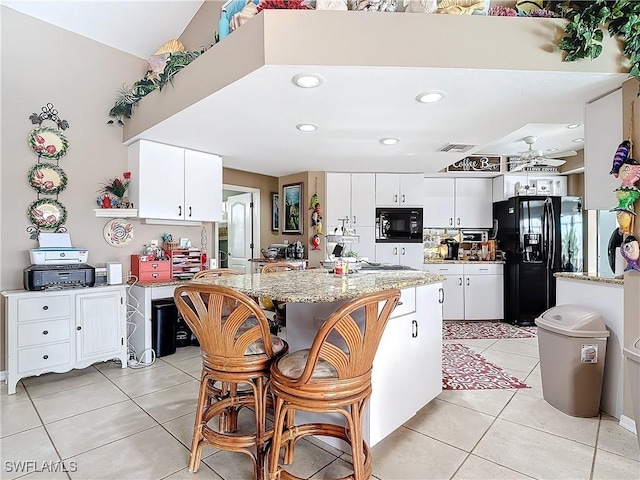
(149, 271)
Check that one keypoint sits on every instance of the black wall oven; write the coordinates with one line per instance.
(402, 225)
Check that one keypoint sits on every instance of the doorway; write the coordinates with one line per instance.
(239, 232)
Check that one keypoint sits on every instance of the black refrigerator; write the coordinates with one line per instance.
(540, 236)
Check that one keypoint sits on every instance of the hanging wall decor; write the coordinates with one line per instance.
(46, 178)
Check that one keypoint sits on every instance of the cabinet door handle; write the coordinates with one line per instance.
(395, 250)
(441, 295)
(468, 281)
(395, 199)
(460, 281)
(403, 250)
(46, 307)
(189, 211)
(354, 219)
(155, 275)
(414, 328)
(403, 199)
(78, 328)
(179, 210)
(154, 265)
(45, 356)
(458, 220)
(45, 332)
(450, 220)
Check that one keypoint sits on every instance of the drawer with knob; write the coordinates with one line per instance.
(41, 357)
(40, 333)
(43, 307)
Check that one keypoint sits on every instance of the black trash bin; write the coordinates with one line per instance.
(164, 318)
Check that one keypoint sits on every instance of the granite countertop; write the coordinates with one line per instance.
(442, 260)
(590, 277)
(316, 286)
(277, 260)
(168, 283)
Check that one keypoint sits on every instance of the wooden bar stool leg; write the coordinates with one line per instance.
(355, 428)
(289, 444)
(274, 452)
(196, 443)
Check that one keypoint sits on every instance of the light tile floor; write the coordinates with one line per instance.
(108, 422)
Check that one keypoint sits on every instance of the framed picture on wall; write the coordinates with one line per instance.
(275, 211)
(292, 218)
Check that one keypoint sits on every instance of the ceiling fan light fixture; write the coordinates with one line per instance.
(573, 125)
(431, 96)
(389, 141)
(307, 127)
(307, 80)
(578, 140)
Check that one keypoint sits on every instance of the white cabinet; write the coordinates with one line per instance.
(366, 246)
(172, 183)
(409, 354)
(61, 330)
(506, 186)
(98, 323)
(471, 291)
(603, 132)
(399, 189)
(409, 254)
(351, 196)
(458, 203)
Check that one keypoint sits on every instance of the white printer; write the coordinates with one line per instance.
(56, 249)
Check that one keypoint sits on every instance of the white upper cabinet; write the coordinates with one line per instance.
(439, 202)
(603, 132)
(458, 203)
(399, 189)
(352, 196)
(474, 206)
(172, 183)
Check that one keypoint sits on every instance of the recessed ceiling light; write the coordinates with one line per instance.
(430, 97)
(552, 150)
(306, 127)
(307, 80)
(389, 141)
(573, 125)
(578, 140)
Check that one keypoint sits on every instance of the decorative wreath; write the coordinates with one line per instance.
(47, 214)
(48, 142)
(42, 183)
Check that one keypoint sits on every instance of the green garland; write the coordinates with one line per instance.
(128, 97)
(583, 35)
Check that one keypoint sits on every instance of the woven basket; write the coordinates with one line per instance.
(170, 245)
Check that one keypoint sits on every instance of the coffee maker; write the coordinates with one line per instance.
(453, 247)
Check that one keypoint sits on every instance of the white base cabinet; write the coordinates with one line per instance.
(408, 254)
(471, 291)
(61, 330)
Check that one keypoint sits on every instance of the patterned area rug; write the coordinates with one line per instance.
(455, 330)
(463, 369)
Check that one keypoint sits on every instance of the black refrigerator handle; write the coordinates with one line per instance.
(552, 239)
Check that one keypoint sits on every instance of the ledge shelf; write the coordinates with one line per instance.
(116, 212)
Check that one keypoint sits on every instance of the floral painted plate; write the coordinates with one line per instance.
(47, 178)
(48, 142)
(47, 214)
(118, 232)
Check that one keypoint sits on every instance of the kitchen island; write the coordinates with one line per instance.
(407, 370)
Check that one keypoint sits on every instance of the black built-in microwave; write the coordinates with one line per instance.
(402, 225)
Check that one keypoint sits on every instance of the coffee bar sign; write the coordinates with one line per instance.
(476, 163)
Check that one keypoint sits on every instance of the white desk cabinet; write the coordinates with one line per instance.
(399, 189)
(471, 291)
(61, 330)
(196, 183)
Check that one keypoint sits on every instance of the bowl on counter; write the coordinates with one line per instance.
(269, 253)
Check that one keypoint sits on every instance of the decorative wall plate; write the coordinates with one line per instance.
(118, 232)
(48, 142)
(47, 213)
(47, 178)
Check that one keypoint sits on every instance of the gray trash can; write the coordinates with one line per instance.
(632, 352)
(572, 341)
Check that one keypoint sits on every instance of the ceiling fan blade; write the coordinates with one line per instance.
(551, 162)
(566, 153)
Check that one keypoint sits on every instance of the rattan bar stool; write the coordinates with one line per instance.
(333, 376)
(214, 272)
(237, 349)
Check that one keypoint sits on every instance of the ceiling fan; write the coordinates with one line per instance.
(536, 158)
